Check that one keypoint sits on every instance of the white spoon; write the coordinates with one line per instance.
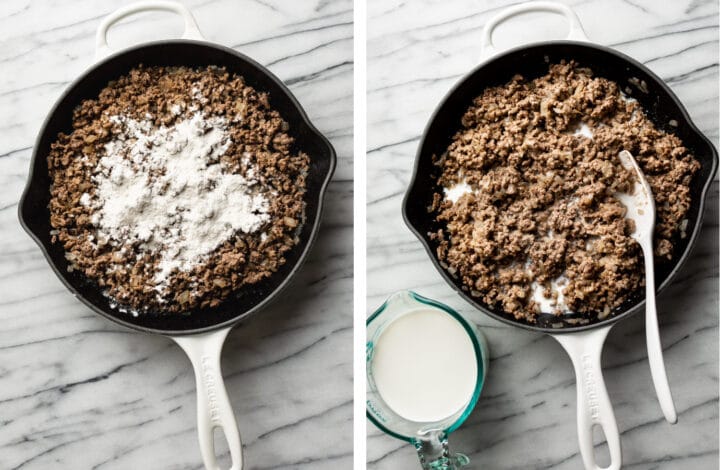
(641, 209)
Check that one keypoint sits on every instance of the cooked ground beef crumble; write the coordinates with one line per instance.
(536, 167)
(166, 95)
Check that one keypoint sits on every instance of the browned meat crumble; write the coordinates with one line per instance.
(541, 203)
(119, 266)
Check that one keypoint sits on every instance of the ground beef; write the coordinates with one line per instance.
(245, 258)
(540, 205)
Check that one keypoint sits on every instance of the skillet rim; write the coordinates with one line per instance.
(610, 320)
(329, 155)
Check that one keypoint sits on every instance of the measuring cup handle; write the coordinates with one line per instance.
(434, 452)
(576, 31)
(593, 402)
(102, 49)
(213, 406)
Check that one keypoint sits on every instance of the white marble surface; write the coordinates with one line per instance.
(526, 416)
(79, 392)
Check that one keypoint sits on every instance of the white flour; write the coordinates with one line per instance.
(165, 190)
(454, 192)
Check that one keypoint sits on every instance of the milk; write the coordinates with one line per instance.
(424, 365)
(583, 130)
(548, 304)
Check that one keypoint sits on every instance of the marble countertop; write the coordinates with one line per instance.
(77, 391)
(525, 418)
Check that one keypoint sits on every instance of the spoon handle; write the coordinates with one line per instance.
(652, 332)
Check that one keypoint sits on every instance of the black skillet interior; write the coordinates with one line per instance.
(658, 101)
(34, 213)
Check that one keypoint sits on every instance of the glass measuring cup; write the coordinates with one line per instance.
(430, 439)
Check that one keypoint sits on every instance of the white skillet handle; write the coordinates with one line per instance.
(652, 335)
(213, 406)
(575, 33)
(593, 403)
(102, 49)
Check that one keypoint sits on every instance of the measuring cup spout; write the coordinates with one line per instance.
(434, 452)
(401, 301)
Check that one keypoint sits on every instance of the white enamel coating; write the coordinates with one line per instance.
(102, 49)
(575, 32)
(593, 403)
(641, 209)
(213, 406)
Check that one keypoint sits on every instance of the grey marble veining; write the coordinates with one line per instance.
(525, 418)
(77, 391)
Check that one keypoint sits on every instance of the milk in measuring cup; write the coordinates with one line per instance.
(424, 366)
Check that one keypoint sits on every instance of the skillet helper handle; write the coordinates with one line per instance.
(213, 406)
(576, 32)
(652, 337)
(593, 403)
(102, 49)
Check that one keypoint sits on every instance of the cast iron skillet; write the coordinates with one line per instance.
(531, 61)
(200, 332)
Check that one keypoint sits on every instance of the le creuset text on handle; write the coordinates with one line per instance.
(213, 405)
(593, 403)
